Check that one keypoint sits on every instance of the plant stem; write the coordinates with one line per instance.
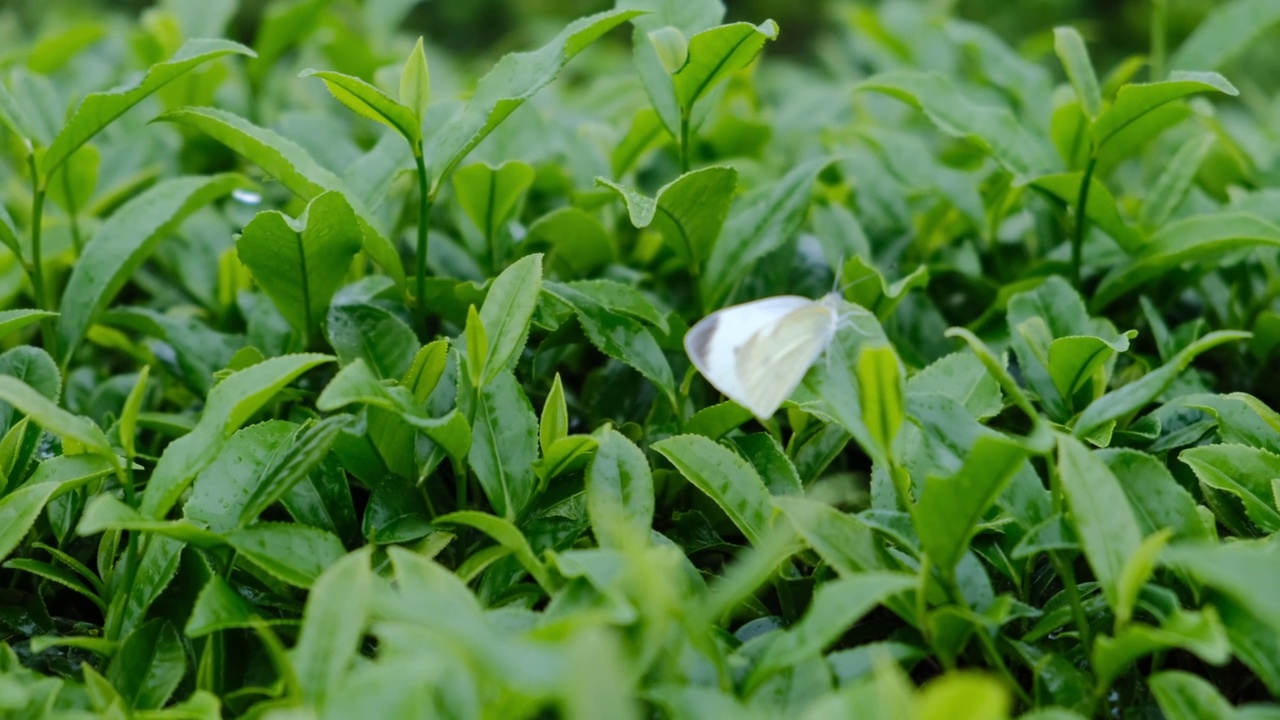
(1068, 576)
(1159, 24)
(684, 142)
(1082, 220)
(424, 223)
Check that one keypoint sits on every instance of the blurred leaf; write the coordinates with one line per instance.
(689, 211)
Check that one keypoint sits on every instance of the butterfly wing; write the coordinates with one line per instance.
(715, 343)
(772, 363)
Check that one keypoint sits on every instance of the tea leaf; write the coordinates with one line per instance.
(689, 211)
(717, 53)
(148, 666)
(123, 244)
(293, 167)
(1242, 471)
(516, 78)
(231, 403)
(1103, 520)
(415, 83)
(1227, 31)
(370, 102)
(504, 444)
(1134, 101)
(726, 478)
(491, 195)
(1071, 50)
(295, 554)
(508, 311)
(301, 264)
(333, 624)
(98, 110)
(507, 535)
(1175, 182)
(620, 495)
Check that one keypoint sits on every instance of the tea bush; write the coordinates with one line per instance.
(345, 377)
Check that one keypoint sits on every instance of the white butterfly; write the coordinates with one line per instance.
(758, 352)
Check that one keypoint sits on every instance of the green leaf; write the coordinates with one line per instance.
(688, 211)
(221, 491)
(219, 607)
(1132, 397)
(880, 296)
(72, 185)
(950, 508)
(1175, 182)
(123, 244)
(993, 129)
(371, 333)
(620, 495)
(715, 54)
(843, 541)
(508, 312)
(415, 83)
(880, 388)
(18, 512)
(1247, 573)
(1202, 239)
(106, 513)
(296, 554)
(762, 225)
(291, 464)
(1199, 632)
(964, 694)
(1158, 500)
(1104, 522)
(156, 569)
(294, 168)
(726, 478)
(1228, 30)
(46, 413)
(58, 575)
(1137, 571)
(554, 423)
(508, 536)
(477, 346)
(671, 46)
(1136, 100)
(504, 444)
(689, 17)
(1242, 471)
(1070, 48)
(333, 626)
(961, 377)
(1100, 207)
(512, 81)
(1183, 696)
(575, 242)
(149, 665)
(370, 102)
(128, 428)
(230, 404)
(284, 24)
(1073, 361)
(490, 195)
(98, 110)
(11, 321)
(301, 264)
(621, 338)
(836, 605)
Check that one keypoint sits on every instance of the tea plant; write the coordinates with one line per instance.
(340, 381)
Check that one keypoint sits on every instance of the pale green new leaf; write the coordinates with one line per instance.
(1135, 100)
(301, 263)
(508, 312)
(1100, 207)
(46, 413)
(715, 54)
(370, 102)
(881, 390)
(507, 535)
(415, 82)
(689, 211)
(1176, 181)
(1071, 50)
(124, 242)
(97, 110)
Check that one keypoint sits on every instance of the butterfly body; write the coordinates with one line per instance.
(757, 353)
